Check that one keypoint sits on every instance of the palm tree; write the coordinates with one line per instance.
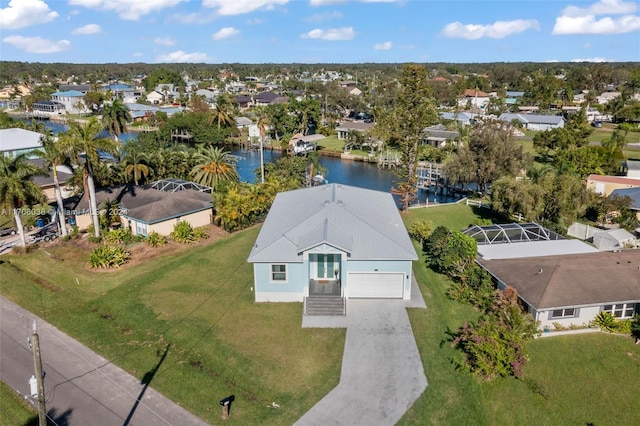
(115, 118)
(54, 157)
(82, 143)
(17, 189)
(214, 166)
(263, 125)
(134, 166)
(223, 114)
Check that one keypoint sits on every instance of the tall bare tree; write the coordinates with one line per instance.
(412, 111)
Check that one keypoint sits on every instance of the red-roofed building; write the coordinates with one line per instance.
(605, 185)
(474, 98)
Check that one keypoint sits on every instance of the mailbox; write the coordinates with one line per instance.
(227, 401)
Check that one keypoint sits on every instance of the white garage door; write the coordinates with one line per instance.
(375, 285)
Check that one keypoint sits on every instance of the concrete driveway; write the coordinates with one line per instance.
(382, 372)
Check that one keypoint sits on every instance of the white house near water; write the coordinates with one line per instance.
(335, 240)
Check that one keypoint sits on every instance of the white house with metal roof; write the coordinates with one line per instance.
(19, 141)
(332, 240)
(534, 121)
(72, 100)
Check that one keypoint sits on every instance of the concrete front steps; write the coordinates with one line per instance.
(325, 305)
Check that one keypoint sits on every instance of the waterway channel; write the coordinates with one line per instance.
(346, 172)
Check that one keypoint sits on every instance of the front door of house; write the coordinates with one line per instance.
(326, 265)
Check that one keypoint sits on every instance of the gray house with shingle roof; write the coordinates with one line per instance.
(573, 289)
(332, 239)
(145, 209)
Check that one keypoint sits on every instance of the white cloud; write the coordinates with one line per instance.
(317, 3)
(127, 9)
(382, 46)
(24, 13)
(225, 32)
(195, 18)
(255, 21)
(583, 20)
(321, 17)
(164, 41)
(37, 44)
(331, 34)
(498, 29)
(590, 25)
(592, 60)
(603, 7)
(88, 29)
(239, 7)
(181, 56)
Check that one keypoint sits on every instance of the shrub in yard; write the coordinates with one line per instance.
(200, 234)
(623, 327)
(107, 256)
(420, 230)
(635, 327)
(606, 321)
(118, 236)
(183, 232)
(494, 345)
(474, 288)
(94, 239)
(155, 239)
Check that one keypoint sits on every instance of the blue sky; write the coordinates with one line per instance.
(319, 31)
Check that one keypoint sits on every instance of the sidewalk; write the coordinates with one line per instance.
(82, 388)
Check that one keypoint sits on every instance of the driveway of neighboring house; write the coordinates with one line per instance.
(382, 372)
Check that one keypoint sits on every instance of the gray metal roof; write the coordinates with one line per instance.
(364, 223)
(534, 249)
(531, 118)
(19, 139)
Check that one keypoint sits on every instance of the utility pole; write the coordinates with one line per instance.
(37, 362)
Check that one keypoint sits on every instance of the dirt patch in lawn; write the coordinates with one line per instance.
(140, 252)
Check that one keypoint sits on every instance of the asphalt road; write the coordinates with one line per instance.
(81, 387)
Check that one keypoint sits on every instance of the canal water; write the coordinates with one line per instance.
(346, 172)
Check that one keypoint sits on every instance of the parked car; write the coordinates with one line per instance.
(45, 234)
(8, 231)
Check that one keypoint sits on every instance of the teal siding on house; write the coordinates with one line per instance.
(291, 291)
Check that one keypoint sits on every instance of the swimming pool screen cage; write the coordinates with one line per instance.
(511, 233)
(173, 185)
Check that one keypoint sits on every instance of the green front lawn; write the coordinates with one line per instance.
(14, 410)
(199, 303)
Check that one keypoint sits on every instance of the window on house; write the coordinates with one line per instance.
(278, 272)
(622, 310)
(564, 313)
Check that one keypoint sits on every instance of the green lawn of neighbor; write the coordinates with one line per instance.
(199, 302)
(331, 143)
(569, 379)
(14, 410)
